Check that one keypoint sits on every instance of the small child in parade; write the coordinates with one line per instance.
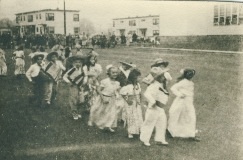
(76, 77)
(155, 116)
(104, 109)
(182, 116)
(53, 68)
(94, 70)
(159, 62)
(132, 95)
(34, 76)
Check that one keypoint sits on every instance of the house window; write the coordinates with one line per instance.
(37, 29)
(155, 32)
(241, 14)
(30, 18)
(228, 14)
(51, 30)
(155, 21)
(132, 23)
(39, 16)
(76, 30)
(114, 24)
(49, 16)
(17, 19)
(76, 17)
(142, 20)
(20, 18)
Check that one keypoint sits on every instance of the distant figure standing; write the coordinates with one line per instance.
(19, 61)
(3, 66)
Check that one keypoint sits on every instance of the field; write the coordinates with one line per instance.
(31, 133)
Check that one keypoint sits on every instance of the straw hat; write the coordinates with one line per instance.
(157, 71)
(128, 64)
(36, 57)
(77, 57)
(48, 57)
(160, 61)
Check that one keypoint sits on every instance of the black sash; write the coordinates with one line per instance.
(77, 80)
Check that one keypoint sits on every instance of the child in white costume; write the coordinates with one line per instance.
(132, 95)
(104, 109)
(182, 116)
(155, 116)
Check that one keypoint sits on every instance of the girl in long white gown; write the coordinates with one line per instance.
(19, 61)
(182, 116)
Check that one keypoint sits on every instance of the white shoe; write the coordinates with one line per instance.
(111, 130)
(130, 136)
(90, 123)
(79, 116)
(147, 144)
(75, 117)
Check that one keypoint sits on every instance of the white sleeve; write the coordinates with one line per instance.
(65, 77)
(28, 73)
(149, 97)
(167, 76)
(175, 89)
(61, 66)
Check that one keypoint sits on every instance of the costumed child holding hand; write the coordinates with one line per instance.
(182, 116)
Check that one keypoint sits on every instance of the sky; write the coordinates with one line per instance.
(100, 12)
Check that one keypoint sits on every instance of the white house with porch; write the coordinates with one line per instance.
(49, 21)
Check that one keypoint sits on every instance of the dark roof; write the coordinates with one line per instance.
(44, 10)
(136, 17)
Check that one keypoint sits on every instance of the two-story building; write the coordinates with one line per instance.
(144, 26)
(48, 21)
(178, 21)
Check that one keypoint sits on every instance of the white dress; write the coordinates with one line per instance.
(3, 66)
(19, 62)
(133, 111)
(182, 116)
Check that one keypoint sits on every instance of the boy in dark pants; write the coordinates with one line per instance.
(34, 76)
(76, 77)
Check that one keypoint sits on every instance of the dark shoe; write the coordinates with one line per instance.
(196, 139)
(162, 143)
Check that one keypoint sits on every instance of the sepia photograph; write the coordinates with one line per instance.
(121, 80)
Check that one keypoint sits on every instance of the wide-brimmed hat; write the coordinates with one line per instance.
(160, 61)
(128, 64)
(93, 54)
(36, 57)
(77, 57)
(48, 57)
(157, 71)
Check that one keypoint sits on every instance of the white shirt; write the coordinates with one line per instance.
(33, 71)
(154, 93)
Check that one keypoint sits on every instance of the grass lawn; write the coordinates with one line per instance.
(27, 132)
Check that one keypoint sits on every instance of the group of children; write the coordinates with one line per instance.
(118, 97)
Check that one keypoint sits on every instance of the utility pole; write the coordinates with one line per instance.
(64, 19)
